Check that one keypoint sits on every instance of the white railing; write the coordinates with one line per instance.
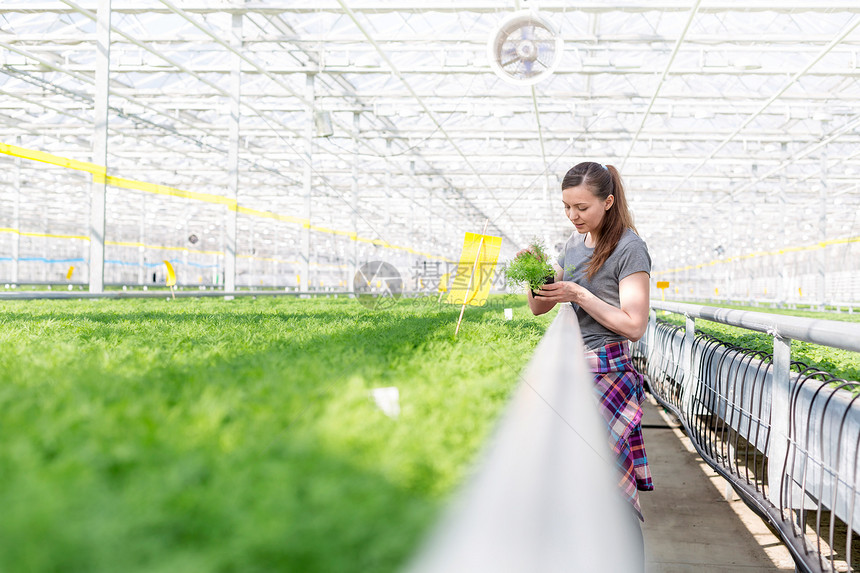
(785, 436)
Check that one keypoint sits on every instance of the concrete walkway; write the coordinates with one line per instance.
(689, 524)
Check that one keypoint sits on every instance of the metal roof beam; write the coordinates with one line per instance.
(793, 80)
(420, 101)
(477, 6)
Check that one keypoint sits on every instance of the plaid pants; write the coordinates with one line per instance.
(619, 390)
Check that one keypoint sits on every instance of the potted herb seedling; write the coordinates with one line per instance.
(531, 268)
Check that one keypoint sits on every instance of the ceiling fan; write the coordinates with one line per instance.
(525, 48)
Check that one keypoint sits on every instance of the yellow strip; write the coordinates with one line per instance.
(170, 191)
(813, 247)
(327, 230)
(99, 173)
(270, 215)
(35, 155)
(48, 235)
(841, 241)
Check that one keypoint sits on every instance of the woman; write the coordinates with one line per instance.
(604, 274)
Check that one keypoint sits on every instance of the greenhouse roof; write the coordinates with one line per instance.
(735, 125)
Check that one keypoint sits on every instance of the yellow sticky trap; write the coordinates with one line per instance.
(662, 285)
(298, 279)
(171, 274)
(473, 288)
(69, 274)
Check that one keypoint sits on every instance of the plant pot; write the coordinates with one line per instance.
(549, 280)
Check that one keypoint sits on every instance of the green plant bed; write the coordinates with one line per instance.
(838, 362)
(206, 435)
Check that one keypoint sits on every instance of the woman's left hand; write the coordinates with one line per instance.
(562, 291)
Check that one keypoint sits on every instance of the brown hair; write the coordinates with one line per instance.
(602, 181)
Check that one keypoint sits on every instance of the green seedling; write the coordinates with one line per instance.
(531, 268)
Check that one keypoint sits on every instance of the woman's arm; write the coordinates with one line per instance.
(539, 305)
(630, 320)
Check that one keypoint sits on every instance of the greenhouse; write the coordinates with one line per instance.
(259, 309)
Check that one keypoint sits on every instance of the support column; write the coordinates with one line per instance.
(98, 187)
(220, 269)
(233, 158)
(386, 192)
(16, 217)
(353, 264)
(46, 253)
(779, 417)
(309, 143)
(141, 250)
(687, 369)
(822, 228)
(430, 241)
(413, 260)
(252, 245)
(783, 286)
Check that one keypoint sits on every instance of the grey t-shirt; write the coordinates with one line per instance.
(630, 256)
